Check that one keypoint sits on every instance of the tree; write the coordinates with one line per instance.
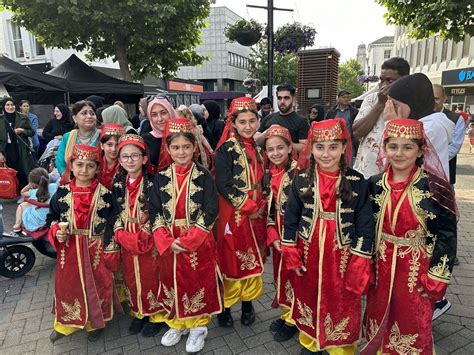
(284, 65)
(347, 77)
(146, 37)
(450, 19)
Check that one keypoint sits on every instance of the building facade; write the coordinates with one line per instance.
(228, 61)
(445, 62)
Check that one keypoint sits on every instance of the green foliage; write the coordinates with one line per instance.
(347, 77)
(450, 19)
(284, 65)
(242, 25)
(146, 37)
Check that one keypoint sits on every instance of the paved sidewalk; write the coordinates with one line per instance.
(26, 319)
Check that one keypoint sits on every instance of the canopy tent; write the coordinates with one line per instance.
(23, 83)
(82, 81)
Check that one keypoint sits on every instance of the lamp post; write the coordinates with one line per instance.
(270, 9)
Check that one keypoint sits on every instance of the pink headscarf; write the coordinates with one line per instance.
(167, 106)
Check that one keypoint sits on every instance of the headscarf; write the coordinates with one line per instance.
(416, 91)
(98, 101)
(9, 116)
(143, 104)
(116, 114)
(167, 106)
(197, 112)
(66, 113)
(328, 130)
(213, 108)
(238, 104)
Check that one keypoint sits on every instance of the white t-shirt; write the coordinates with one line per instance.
(369, 146)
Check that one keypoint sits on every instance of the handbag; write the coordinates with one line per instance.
(8, 182)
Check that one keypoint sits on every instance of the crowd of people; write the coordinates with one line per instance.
(173, 214)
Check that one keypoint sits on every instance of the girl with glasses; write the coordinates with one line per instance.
(133, 245)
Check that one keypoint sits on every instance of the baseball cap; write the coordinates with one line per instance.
(343, 92)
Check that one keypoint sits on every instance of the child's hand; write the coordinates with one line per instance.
(300, 270)
(276, 246)
(177, 248)
(61, 236)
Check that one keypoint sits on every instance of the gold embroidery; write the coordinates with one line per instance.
(193, 259)
(63, 257)
(248, 259)
(442, 269)
(306, 315)
(346, 210)
(154, 253)
(73, 312)
(352, 178)
(335, 332)
(378, 199)
(289, 292)
(382, 249)
(414, 268)
(305, 251)
(402, 344)
(360, 242)
(344, 260)
(152, 301)
(98, 253)
(195, 304)
(373, 329)
(169, 293)
(346, 224)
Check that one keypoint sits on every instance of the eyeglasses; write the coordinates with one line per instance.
(133, 157)
(314, 112)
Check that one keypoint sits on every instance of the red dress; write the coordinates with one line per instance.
(107, 175)
(189, 282)
(241, 242)
(138, 253)
(83, 285)
(323, 309)
(280, 183)
(398, 317)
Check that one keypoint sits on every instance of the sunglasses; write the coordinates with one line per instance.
(150, 98)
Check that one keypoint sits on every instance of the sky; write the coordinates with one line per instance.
(342, 24)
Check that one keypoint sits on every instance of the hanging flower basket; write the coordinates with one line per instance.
(292, 37)
(246, 33)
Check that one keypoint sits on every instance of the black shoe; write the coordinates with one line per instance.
(55, 336)
(248, 318)
(285, 333)
(277, 324)
(225, 319)
(441, 307)
(137, 325)
(94, 335)
(305, 351)
(456, 261)
(151, 329)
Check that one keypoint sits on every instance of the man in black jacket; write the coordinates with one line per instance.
(343, 109)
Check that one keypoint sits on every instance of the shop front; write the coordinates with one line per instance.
(459, 86)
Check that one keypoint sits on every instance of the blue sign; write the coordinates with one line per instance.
(465, 75)
(458, 76)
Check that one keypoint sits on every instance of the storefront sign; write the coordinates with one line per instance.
(464, 76)
(460, 91)
(180, 86)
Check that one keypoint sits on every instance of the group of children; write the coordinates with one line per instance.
(185, 245)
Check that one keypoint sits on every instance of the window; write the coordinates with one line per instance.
(238, 61)
(39, 49)
(444, 51)
(454, 51)
(434, 59)
(466, 45)
(427, 52)
(313, 93)
(17, 42)
(387, 54)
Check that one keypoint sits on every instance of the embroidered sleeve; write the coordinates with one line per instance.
(294, 208)
(210, 208)
(155, 207)
(362, 243)
(228, 175)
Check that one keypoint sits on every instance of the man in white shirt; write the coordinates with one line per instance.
(370, 122)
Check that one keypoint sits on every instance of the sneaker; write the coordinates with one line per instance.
(173, 336)
(196, 339)
(441, 307)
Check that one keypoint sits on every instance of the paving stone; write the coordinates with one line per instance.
(453, 342)
(466, 350)
(130, 339)
(445, 329)
(20, 349)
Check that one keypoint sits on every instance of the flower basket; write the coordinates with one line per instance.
(292, 37)
(246, 33)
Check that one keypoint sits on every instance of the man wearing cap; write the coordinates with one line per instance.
(343, 109)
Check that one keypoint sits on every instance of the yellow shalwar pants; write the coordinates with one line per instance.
(311, 344)
(188, 323)
(242, 290)
(68, 330)
(154, 318)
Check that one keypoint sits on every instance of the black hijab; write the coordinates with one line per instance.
(66, 114)
(9, 116)
(213, 108)
(416, 91)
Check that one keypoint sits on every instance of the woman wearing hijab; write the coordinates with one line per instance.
(15, 151)
(116, 114)
(214, 124)
(159, 111)
(412, 97)
(199, 116)
(58, 126)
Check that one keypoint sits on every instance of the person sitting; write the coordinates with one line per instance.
(31, 214)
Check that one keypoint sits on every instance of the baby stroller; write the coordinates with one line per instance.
(16, 258)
